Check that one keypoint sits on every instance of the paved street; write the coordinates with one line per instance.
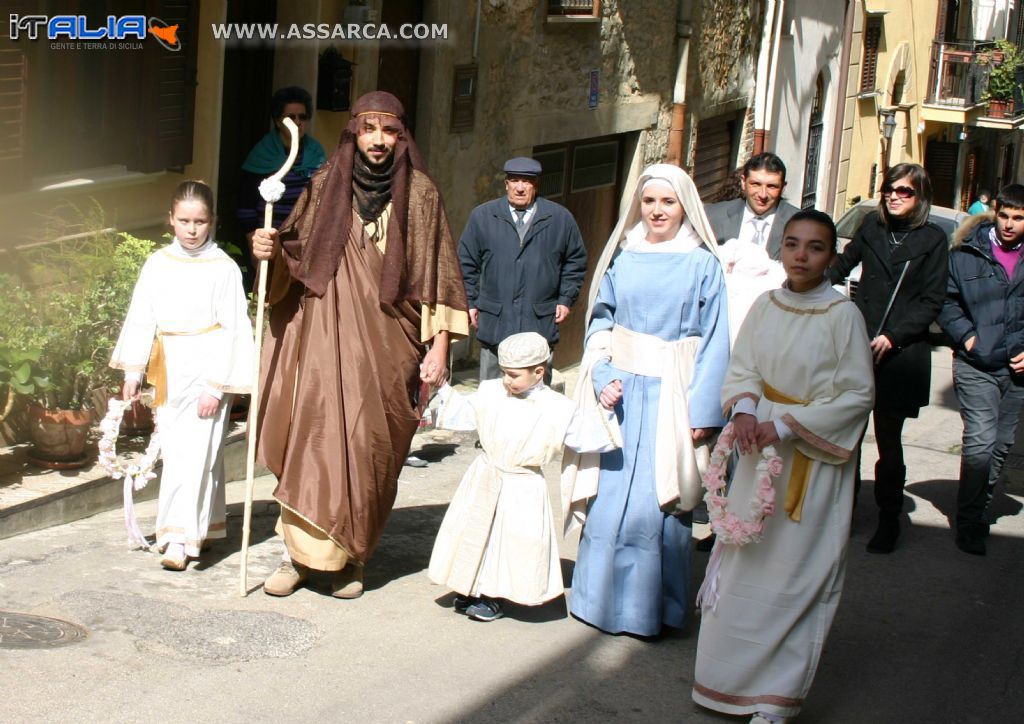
(928, 634)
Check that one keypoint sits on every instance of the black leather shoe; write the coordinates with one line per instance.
(884, 539)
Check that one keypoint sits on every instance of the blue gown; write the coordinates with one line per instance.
(633, 567)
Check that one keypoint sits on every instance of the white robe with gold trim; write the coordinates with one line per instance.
(182, 292)
(758, 648)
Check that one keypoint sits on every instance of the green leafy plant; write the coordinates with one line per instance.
(18, 376)
(79, 289)
(1002, 77)
(20, 348)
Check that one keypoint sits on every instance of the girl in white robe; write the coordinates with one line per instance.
(188, 329)
(498, 539)
(800, 378)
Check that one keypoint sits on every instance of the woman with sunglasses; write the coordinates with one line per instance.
(902, 287)
(269, 155)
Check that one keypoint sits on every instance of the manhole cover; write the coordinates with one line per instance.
(22, 631)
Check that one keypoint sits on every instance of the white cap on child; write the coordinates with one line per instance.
(526, 349)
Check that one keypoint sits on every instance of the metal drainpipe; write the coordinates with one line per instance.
(677, 129)
(761, 77)
(769, 104)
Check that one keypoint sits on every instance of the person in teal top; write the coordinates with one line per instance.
(269, 155)
(980, 205)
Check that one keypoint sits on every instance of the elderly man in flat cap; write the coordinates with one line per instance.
(364, 279)
(523, 262)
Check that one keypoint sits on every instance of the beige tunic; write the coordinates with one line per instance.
(498, 536)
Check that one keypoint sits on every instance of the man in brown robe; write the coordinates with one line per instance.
(364, 276)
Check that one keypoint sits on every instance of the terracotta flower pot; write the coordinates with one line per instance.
(997, 108)
(59, 437)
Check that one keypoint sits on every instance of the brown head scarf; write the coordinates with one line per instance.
(333, 220)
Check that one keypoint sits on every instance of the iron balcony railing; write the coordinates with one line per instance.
(958, 78)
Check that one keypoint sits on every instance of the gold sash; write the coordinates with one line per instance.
(156, 369)
(800, 474)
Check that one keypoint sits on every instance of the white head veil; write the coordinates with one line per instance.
(682, 184)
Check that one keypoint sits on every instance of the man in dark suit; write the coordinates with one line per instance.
(523, 263)
(761, 215)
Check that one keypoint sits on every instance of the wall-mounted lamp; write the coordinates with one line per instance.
(920, 127)
(888, 118)
(888, 123)
(963, 135)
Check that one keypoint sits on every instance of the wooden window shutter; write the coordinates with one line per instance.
(713, 159)
(168, 91)
(869, 62)
(13, 110)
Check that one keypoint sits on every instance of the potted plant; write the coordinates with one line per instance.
(80, 288)
(1002, 78)
(20, 350)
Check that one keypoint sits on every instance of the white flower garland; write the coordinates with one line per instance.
(136, 475)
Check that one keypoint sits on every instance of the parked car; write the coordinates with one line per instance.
(947, 219)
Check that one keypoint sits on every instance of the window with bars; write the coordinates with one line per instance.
(577, 8)
(463, 98)
(869, 61)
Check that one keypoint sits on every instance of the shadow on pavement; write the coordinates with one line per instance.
(925, 634)
(261, 528)
(406, 545)
(942, 494)
(434, 452)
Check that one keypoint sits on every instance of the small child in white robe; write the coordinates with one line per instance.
(498, 539)
(188, 329)
(749, 272)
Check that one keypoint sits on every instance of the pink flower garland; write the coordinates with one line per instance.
(136, 476)
(726, 525)
(729, 528)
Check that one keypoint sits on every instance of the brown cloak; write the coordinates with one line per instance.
(339, 372)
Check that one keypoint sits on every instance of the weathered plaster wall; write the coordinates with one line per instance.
(722, 67)
(533, 86)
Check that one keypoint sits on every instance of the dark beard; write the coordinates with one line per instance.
(371, 186)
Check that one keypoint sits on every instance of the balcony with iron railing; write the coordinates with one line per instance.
(958, 79)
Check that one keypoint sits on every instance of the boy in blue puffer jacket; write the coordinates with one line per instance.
(984, 316)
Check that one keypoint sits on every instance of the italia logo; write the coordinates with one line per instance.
(78, 27)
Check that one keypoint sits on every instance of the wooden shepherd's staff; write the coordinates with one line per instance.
(271, 190)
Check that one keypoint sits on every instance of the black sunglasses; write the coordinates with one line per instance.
(902, 192)
(297, 116)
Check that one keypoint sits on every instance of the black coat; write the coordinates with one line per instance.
(903, 378)
(983, 302)
(515, 287)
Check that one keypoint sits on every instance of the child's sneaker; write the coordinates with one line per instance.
(486, 609)
(462, 603)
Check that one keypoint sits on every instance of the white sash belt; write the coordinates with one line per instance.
(677, 463)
